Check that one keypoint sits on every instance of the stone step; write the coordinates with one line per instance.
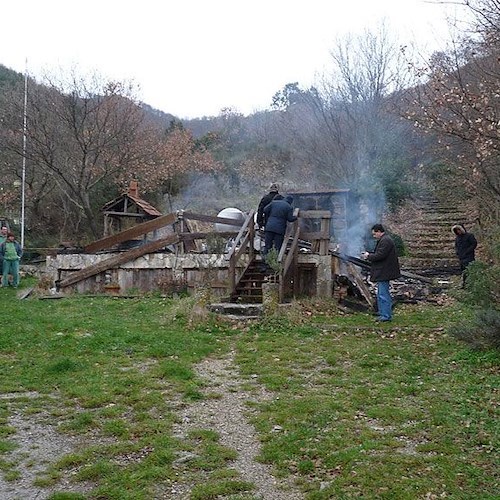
(444, 246)
(430, 242)
(429, 232)
(426, 265)
(235, 309)
(249, 293)
(432, 238)
(430, 254)
(447, 249)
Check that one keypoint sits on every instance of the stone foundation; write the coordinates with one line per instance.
(164, 272)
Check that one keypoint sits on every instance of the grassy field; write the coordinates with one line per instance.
(363, 410)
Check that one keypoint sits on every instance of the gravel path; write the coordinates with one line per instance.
(226, 415)
(38, 444)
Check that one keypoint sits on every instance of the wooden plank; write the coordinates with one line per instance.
(25, 293)
(210, 218)
(316, 214)
(325, 242)
(317, 235)
(407, 274)
(131, 233)
(124, 214)
(201, 236)
(355, 275)
(366, 265)
(116, 260)
(185, 228)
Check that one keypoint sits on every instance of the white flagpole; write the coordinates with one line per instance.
(23, 182)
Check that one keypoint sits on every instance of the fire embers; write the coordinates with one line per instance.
(403, 291)
(348, 293)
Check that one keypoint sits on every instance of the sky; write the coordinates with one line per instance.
(193, 58)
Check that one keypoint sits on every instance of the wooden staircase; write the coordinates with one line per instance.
(249, 288)
(429, 240)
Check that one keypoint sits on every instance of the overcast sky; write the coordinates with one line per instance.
(192, 58)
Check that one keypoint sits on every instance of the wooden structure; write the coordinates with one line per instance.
(292, 276)
(297, 271)
(338, 202)
(108, 254)
(127, 210)
(166, 248)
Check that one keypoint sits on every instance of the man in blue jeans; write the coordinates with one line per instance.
(384, 267)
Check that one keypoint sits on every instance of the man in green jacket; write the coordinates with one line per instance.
(11, 252)
(3, 238)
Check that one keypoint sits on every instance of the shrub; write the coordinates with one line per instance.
(483, 332)
(399, 244)
(482, 285)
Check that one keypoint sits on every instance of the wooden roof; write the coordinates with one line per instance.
(119, 202)
(132, 194)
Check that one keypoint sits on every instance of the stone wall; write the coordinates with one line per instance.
(151, 272)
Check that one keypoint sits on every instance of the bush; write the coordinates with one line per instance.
(482, 285)
(483, 332)
(482, 290)
(399, 244)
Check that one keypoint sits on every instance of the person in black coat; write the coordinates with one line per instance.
(384, 267)
(266, 199)
(465, 247)
(277, 214)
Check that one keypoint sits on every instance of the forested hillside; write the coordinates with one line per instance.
(383, 124)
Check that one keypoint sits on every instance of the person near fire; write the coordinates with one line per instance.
(465, 248)
(265, 200)
(384, 268)
(11, 252)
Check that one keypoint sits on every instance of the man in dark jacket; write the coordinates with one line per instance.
(277, 214)
(465, 246)
(384, 267)
(266, 199)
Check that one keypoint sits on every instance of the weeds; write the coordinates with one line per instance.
(355, 409)
(483, 332)
(481, 291)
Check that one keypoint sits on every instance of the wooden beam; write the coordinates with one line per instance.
(116, 260)
(201, 236)
(317, 235)
(210, 218)
(362, 286)
(131, 233)
(316, 214)
(125, 214)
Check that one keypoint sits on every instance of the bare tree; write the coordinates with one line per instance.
(82, 132)
(343, 128)
(459, 99)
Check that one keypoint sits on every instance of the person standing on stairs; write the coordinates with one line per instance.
(265, 200)
(465, 247)
(277, 214)
(384, 267)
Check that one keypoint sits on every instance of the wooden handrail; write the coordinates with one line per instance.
(288, 254)
(243, 239)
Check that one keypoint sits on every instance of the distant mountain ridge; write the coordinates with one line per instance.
(9, 78)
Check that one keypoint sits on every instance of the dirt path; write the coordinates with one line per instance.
(38, 445)
(227, 415)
